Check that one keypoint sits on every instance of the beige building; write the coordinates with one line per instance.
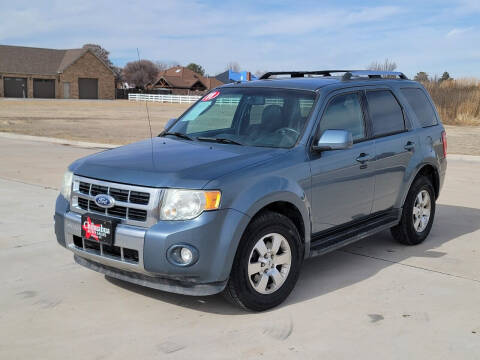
(51, 73)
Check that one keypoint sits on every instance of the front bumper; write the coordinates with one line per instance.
(214, 234)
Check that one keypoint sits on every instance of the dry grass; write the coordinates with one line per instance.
(113, 122)
(457, 101)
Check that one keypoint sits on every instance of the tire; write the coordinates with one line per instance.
(410, 231)
(254, 292)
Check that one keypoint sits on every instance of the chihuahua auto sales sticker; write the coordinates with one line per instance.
(211, 96)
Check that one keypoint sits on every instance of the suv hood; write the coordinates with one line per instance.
(164, 162)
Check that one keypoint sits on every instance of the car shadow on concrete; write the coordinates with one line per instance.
(341, 268)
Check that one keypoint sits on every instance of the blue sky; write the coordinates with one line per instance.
(431, 36)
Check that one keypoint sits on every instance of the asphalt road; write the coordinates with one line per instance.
(372, 300)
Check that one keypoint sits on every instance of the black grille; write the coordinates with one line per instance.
(84, 187)
(83, 203)
(118, 211)
(97, 189)
(139, 197)
(77, 240)
(137, 214)
(92, 245)
(129, 255)
(119, 194)
(95, 207)
(112, 250)
(122, 197)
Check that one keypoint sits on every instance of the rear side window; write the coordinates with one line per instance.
(420, 105)
(344, 112)
(385, 112)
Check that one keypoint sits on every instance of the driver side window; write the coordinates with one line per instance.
(344, 112)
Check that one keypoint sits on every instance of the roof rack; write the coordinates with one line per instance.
(348, 74)
(297, 74)
(372, 74)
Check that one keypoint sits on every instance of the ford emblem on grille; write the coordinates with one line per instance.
(104, 201)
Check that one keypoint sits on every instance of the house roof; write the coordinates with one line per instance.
(183, 78)
(29, 60)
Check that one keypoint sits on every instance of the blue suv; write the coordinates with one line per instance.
(254, 178)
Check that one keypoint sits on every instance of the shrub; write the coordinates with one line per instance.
(457, 101)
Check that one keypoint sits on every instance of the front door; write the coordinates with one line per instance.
(343, 180)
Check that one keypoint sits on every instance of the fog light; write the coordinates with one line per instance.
(182, 255)
(186, 255)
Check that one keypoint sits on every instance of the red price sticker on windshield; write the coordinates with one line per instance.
(211, 96)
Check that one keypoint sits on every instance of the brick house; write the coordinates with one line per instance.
(179, 80)
(51, 73)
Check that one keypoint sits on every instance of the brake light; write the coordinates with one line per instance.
(444, 142)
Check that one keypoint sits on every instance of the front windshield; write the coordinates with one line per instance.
(248, 116)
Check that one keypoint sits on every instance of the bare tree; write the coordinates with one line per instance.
(140, 73)
(234, 66)
(161, 65)
(387, 65)
(100, 52)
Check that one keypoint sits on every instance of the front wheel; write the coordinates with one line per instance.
(418, 213)
(267, 263)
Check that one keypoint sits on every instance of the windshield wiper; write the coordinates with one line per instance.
(177, 134)
(219, 140)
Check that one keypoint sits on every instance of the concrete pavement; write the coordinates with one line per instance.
(375, 299)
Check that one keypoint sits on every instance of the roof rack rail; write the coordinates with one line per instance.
(296, 74)
(373, 74)
(348, 74)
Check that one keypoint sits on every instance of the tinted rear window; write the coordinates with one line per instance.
(421, 106)
(385, 112)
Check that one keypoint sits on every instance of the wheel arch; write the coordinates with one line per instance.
(425, 169)
(286, 205)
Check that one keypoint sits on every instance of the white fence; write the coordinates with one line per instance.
(178, 99)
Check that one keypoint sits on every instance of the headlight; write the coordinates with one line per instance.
(188, 204)
(67, 185)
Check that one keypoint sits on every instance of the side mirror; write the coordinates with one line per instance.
(169, 123)
(334, 140)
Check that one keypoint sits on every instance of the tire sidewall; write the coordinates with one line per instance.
(419, 185)
(247, 294)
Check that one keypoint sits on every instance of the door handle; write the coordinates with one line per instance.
(363, 158)
(409, 146)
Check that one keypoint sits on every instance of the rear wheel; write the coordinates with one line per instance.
(267, 263)
(418, 213)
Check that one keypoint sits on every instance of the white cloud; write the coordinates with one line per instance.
(303, 22)
(458, 31)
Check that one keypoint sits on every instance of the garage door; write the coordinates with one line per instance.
(87, 88)
(44, 88)
(15, 87)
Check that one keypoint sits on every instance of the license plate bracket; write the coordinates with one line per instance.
(98, 228)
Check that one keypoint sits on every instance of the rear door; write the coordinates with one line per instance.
(342, 180)
(394, 146)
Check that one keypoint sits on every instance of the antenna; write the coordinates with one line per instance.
(146, 107)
